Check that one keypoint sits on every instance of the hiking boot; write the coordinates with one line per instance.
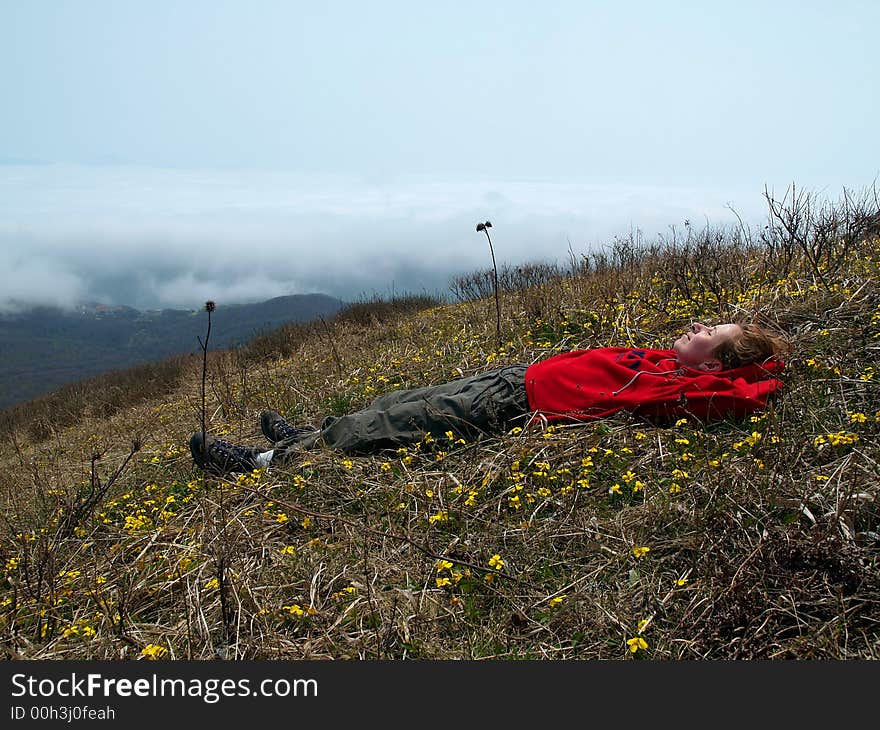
(222, 457)
(276, 429)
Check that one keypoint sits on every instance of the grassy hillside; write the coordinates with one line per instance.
(614, 540)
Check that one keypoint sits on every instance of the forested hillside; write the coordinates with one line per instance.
(44, 348)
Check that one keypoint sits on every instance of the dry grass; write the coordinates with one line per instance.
(756, 539)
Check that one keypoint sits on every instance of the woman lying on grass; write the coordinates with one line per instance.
(710, 373)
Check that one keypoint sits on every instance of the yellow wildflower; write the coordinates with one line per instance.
(153, 651)
(637, 643)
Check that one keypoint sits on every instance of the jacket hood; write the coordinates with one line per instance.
(751, 373)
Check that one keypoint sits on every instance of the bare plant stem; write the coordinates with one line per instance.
(332, 346)
(209, 307)
(495, 286)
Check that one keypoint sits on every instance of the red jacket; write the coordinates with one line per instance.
(589, 384)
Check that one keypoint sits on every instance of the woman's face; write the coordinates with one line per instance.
(695, 347)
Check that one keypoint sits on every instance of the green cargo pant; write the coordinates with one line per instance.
(487, 403)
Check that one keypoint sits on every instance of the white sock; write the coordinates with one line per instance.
(264, 459)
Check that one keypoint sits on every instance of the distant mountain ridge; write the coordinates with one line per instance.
(44, 348)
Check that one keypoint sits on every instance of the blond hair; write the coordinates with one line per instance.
(755, 345)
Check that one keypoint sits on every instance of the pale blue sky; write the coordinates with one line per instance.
(173, 151)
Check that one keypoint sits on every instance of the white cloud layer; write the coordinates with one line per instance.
(174, 238)
(30, 280)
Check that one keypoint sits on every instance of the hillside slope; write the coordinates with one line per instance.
(615, 539)
(44, 348)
